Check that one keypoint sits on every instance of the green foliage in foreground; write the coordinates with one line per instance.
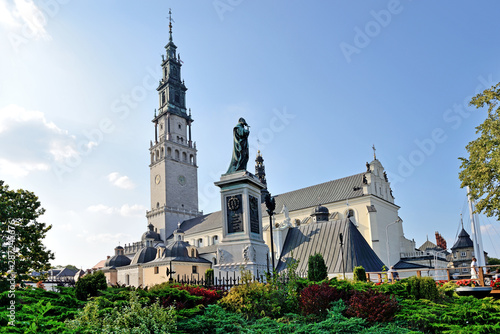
(167, 309)
(461, 315)
(134, 319)
(219, 321)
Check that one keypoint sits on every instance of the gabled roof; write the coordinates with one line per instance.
(66, 272)
(464, 240)
(427, 245)
(100, 264)
(328, 192)
(323, 238)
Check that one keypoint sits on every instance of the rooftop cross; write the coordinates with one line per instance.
(374, 155)
(170, 23)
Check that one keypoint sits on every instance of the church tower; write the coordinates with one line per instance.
(173, 168)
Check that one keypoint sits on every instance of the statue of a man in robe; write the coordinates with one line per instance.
(240, 147)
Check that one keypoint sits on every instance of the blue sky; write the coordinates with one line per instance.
(319, 83)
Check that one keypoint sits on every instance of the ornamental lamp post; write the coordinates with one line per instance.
(271, 205)
(387, 240)
(341, 238)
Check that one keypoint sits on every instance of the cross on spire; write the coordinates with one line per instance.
(170, 20)
(374, 155)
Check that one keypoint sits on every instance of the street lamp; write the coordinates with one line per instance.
(271, 205)
(387, 240)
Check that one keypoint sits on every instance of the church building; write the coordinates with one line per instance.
(352, 221)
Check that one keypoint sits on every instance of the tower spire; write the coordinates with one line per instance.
(170, 24)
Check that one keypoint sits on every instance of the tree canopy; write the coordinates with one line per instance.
(481, 170)
(21, 233)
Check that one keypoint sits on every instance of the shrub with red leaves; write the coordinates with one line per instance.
(316, 299)
(209, 296)
(372, 306)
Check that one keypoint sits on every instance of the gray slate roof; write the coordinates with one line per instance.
(202, 223)
(323, 238)
(328, 192)
(464, 240)
(408, 265)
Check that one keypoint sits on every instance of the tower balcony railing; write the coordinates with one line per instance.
(162, 209)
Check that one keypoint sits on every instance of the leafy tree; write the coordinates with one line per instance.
(316, 268)
(89, 285)
(481, 170)
(22, 234)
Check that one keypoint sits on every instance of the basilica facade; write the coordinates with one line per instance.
(353, 220)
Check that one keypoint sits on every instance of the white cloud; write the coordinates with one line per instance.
(19, 169)
(16, 114)
(101, 208)
(123, 182)
(29, 142)
(6, 17)
(24, 16)
(125, 210)
(133, 211)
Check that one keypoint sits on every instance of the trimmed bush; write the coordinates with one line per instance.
(359, 274)
(209, 276)
(422, 288)
(372, 306)
(316, 299)
(317, 270)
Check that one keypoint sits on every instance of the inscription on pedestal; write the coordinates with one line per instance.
(254, 215)
(234, 214)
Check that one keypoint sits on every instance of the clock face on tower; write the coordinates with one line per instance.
(157, 179)
(182, 180)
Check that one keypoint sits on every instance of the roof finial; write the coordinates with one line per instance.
(170, 24)
(461, 221)
(374, 155)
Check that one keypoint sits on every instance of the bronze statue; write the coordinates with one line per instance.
(240, 147)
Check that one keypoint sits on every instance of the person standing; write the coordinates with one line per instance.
(473, 269)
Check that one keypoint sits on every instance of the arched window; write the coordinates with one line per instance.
(157, 205)
(191, 159)
(214, 260)
(184, 156)
(169, 152)
(162, 152)
(200, 242)
(152, 157)
(127, 279)
(177, 154)
(193, 254)
(350, 213)
(215, 240)
(157, 154)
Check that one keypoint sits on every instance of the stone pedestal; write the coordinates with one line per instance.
(242, 245)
